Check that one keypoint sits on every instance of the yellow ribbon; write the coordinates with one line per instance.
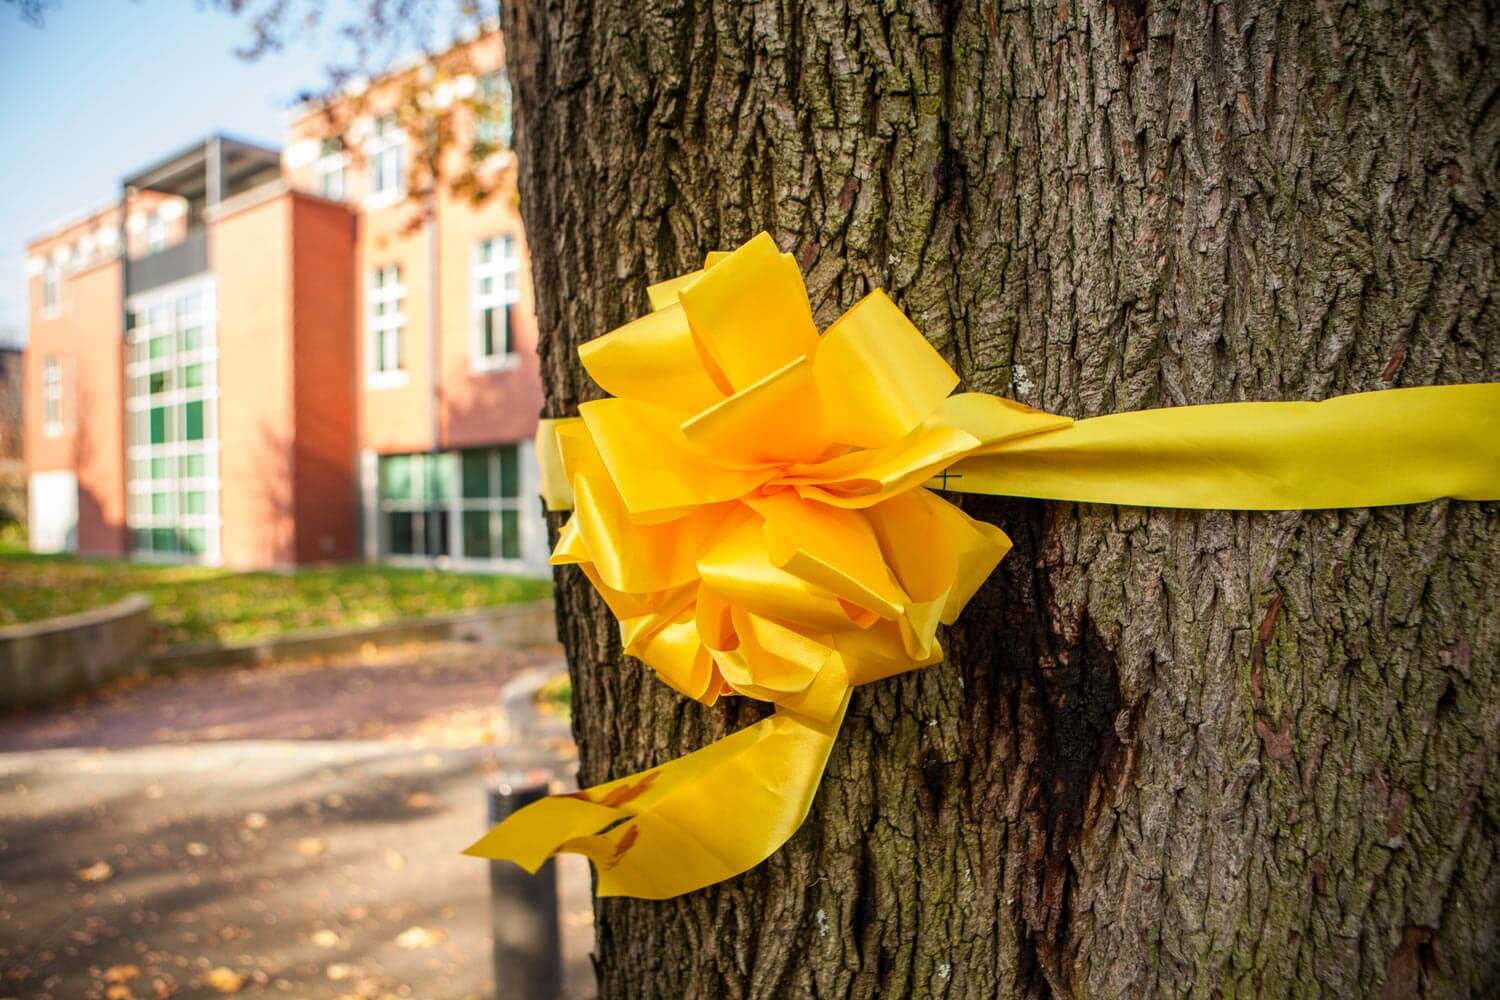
(750, 503)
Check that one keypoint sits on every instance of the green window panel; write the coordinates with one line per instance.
(400, 528)
(193, 420)
(194, 466)
(477, 544)
(195, 502)
(396, 477)
(476, 474)
(510, 479)
(442, 476)
(192, 376)
(159, 425)
(510, 534)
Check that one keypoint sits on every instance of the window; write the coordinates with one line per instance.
(331, 169)
(172, 447)
(52, 395)
(463, 505)
(156, 231)
(386, 152)
(494, 289)
(51, 287)
(387, 297)
(493, 127)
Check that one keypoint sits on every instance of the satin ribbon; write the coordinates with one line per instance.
(754, 504)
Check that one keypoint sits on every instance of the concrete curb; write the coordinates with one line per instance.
(40, 661)
(527, 624)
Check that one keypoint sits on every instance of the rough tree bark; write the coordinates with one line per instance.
(1169, 753)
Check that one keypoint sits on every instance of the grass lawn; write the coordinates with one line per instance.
(194, 603)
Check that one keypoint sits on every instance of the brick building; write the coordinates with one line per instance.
(262, 357)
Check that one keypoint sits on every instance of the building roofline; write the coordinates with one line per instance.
(56, 227)
(400, 66)
(167, 165)
(161, 167)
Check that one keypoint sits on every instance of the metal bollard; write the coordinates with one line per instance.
(523, 907)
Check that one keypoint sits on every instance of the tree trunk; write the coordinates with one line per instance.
(1172, 753)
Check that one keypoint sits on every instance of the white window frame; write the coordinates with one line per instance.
(503, 271)
(385, 159)
(51, 287)
(334, 162)
(52, 396)
(387, 327)
(452, 510)
(495, 126)
(167, 304)
(156, 231)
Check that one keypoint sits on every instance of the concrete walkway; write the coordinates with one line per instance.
(262, 832)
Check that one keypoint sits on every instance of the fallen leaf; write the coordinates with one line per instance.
(256, 820)
(339, 971)
(325, 939)
(119, 991)
(311, 847)
(96, 872)
(414, 938)
(418, 800)
(121, 973)
(395, 860)
(226, 980)
(197, 849)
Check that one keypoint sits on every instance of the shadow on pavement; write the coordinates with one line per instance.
(274, 865)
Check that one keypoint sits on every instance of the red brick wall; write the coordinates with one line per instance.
(87, 337)
(250, 252)
(480, 407)
(324, 464)
(472, 407)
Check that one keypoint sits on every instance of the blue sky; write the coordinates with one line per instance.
(106, 86)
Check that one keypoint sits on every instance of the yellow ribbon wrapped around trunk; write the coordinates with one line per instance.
(754, 505)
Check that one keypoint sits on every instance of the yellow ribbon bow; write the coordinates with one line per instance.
(751, 506)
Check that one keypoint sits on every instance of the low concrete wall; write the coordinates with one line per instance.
(528, 624)
(43, 660)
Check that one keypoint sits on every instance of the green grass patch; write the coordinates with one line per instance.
(556, 697)
(198, 603)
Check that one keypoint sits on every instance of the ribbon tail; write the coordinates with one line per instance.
(1394, 446)
(689, 823)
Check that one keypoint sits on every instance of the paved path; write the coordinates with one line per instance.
(262, 832)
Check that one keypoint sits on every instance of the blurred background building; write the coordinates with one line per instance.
(263, 357)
